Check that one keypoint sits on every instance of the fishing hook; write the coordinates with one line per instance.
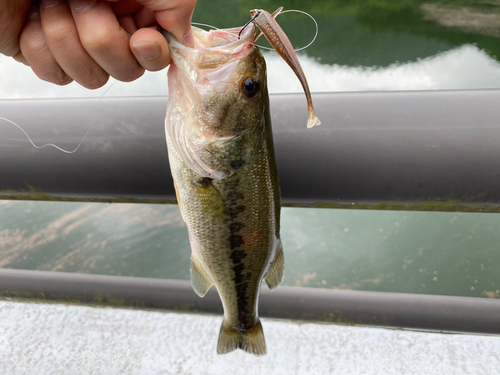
(248, 23)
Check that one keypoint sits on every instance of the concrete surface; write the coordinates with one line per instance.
(39, 338)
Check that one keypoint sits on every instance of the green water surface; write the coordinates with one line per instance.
(396, 251)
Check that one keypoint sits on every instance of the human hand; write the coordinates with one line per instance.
(90, 40)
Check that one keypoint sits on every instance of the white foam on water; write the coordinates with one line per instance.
(466, 67)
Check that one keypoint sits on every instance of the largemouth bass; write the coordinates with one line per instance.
(221, 154)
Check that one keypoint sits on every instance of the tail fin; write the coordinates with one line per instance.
(251, 341)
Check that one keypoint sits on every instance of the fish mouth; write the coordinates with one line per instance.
(221, 41)
(215, 56)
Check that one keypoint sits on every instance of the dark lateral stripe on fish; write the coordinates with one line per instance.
(236, 241)
(241, 288)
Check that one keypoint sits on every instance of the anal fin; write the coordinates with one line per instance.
(275, 275)
(199, 280)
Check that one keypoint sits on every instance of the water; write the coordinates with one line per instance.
(362, 46)
(412, 252)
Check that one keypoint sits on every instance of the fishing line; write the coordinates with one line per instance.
(204, 24)
(111, 86)
(47, 144)
(301, 48)
(283, 11)
(52, 144)
(315, 24)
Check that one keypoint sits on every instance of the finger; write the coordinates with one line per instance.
(12, 15)
(104, 40)
(127, 23)
(63, 42)
(125, 6)
(145, 17)
(150, 49)
(35, 50)
(20, 58)
(174, 16)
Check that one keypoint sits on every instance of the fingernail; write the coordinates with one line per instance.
(81, 5)
(146, 50)
(188, 39)
(50, 3)
(66, 81)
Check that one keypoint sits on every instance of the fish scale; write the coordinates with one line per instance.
(221, 153)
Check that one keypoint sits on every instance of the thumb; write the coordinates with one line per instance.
(174, 16)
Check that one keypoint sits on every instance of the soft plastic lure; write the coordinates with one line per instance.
(277, 38)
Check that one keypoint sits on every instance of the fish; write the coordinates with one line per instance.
(221, 155)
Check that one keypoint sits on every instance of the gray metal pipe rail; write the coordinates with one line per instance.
(412, 311)
(436, 150)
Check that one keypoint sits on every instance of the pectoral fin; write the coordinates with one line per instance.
(210, 200)
(275, 275)
(199, 280)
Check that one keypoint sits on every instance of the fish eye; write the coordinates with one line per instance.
(250, 87)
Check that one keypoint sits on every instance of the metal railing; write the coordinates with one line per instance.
(430, 151)
(395, 310)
